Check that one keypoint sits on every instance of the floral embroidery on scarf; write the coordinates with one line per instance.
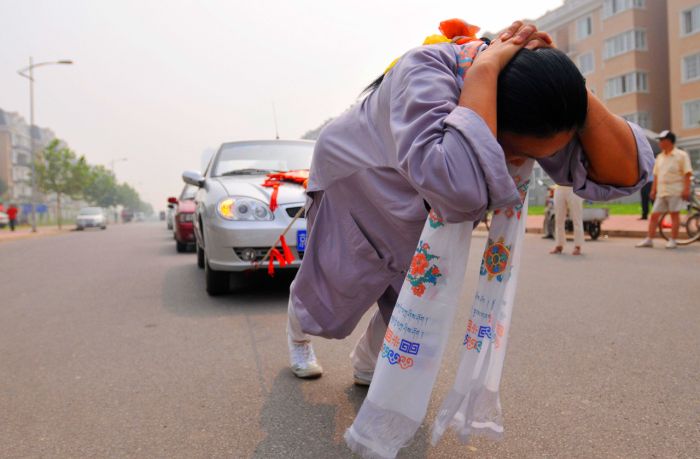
(421, 272)
(495, 260)
(435, 220)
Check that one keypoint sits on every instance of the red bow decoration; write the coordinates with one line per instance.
(459, 31)
(300, 177)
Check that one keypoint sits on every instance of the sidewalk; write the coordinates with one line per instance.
(25, 232)
(615, 226)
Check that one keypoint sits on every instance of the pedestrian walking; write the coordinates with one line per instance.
(565, 198)
(670, 189)
(12, 212)
(432, 135)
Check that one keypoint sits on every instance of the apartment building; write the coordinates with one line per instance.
(641, 57)
(684, 91)
(15, 154)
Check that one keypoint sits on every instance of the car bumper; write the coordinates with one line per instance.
(224, 241)
(184, 233)
(90, 224)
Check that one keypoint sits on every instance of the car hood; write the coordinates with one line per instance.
(251, 186)
(186, 206)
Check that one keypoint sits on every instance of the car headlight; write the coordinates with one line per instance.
(188, 217)
(247, 209)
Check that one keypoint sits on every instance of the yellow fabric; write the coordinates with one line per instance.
(670, 171)
(435, 39)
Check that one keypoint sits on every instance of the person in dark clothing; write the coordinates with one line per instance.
(644, 193)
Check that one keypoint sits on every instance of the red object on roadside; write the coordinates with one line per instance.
(12, 213)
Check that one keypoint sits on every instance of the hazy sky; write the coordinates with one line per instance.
(160, 81)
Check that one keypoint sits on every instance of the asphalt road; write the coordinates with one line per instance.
(109, 347)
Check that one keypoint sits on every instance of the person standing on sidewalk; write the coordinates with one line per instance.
(671, 187)
(12, 216)
(644, 194)
(564, 197)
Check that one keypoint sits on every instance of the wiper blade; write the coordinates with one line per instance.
(250, 171)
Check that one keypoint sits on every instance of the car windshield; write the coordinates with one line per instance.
(262, 158)
(91, 211)
(188, 192)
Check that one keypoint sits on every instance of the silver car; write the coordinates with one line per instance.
(234, 226)
(91, 217)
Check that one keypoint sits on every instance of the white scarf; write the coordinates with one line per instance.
(419, 330)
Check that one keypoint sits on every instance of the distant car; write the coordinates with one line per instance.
(91, 217)
(234, 226)
(127, 215)
(183, 230)
(4, 220)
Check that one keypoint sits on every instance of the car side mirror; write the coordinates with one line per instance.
(194, 178)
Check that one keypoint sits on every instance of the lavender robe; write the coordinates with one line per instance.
(376, 165)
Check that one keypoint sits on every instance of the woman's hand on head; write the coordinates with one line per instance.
(512, 40)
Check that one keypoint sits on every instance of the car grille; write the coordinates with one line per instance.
(292, 211)
(261, 251)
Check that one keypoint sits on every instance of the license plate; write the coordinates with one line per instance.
(301, 240)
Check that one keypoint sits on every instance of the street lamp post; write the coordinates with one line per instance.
(30, 77)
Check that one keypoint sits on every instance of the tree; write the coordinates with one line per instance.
(128, 197)
(101, 189)
(3, 187)
(60, 171)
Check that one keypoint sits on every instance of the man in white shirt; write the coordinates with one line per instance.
(671, 187)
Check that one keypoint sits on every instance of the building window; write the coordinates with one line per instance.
(694, 154)
(586, 63)
(691, 67)
(584, 28)
(626, 84)
(640, 118)
(631, 40)
(691, 114)
(613, 7)
(690, 21)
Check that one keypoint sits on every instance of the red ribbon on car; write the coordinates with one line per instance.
(274, 181)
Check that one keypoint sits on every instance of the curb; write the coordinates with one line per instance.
(603, 233)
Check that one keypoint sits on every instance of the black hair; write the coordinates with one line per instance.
(540, 92)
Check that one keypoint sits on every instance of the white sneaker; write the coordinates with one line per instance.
(362, 379)
(645, 243)
(671, 244)
(302, 359)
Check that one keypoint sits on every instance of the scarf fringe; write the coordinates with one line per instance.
(374, 422)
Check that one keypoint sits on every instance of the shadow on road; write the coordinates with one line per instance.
(296, 428)
(184, 292)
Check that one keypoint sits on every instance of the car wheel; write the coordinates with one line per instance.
(217, 281)
(104, 228)
(181, 248)
(594, 230)
(200, 256)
